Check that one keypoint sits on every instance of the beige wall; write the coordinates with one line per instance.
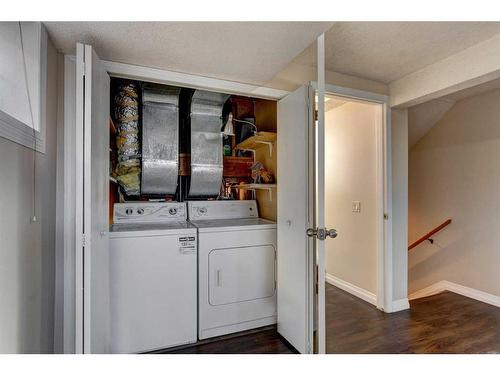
(351, 176)
(27, 249)
(454, 174)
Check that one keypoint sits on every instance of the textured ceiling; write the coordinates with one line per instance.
(386, 51)
(249, 52)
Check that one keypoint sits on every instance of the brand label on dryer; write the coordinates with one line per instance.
(187, 244)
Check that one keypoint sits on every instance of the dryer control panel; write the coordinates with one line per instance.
(149, 212)
(217, 210)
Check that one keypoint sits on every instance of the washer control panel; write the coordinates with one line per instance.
(216, 210)
(149, 212)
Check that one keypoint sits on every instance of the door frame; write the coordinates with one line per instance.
(73, 260)
(383, 189)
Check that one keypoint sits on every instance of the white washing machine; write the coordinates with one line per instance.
(236, 267)
(153, 282)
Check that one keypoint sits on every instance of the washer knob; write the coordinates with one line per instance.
(140, 211)
(172, 211)
(129, 211)
(202, 210)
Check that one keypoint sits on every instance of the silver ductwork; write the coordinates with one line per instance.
(206, 143)
(160, 139)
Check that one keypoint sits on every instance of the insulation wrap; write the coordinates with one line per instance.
(126, 113)
(160, 139)
(206, 143)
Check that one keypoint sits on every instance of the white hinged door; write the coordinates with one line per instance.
(295, 177)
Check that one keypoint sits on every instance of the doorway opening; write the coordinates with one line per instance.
(354, 203)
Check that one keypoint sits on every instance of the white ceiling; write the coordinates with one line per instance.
(248, 52)
(254, 52)
(386, 51)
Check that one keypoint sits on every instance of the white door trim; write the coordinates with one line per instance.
(78, 175)
(384, 191)
(68, 215)
(116, 69)
(320, 194)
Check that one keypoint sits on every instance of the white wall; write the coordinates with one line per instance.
(27, 249)
(399, 150)
(454, 174)
(351, 176)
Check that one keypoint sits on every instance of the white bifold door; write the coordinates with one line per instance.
(92, 184)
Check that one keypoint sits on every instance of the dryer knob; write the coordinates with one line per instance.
(172, 211)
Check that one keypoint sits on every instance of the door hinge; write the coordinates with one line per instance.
(386, 216)
(84, 240)
(316, 287)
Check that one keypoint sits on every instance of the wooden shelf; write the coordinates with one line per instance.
(268, 187)
(260, 139)
(257, 186)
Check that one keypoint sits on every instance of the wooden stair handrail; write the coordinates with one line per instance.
(429, 235)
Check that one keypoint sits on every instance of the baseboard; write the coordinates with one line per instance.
(465, 291)
(430, 290)
(399, 305)
(352, 289)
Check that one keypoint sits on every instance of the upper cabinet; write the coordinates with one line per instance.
(23, 71)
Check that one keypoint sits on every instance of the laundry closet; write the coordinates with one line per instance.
(183, 230)
(192, 209)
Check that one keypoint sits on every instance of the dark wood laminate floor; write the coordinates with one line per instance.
(443, 323)
(259, 341)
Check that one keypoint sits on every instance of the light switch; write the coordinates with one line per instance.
(356, 206)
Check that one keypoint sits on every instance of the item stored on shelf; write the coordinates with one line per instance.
(260, 174)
